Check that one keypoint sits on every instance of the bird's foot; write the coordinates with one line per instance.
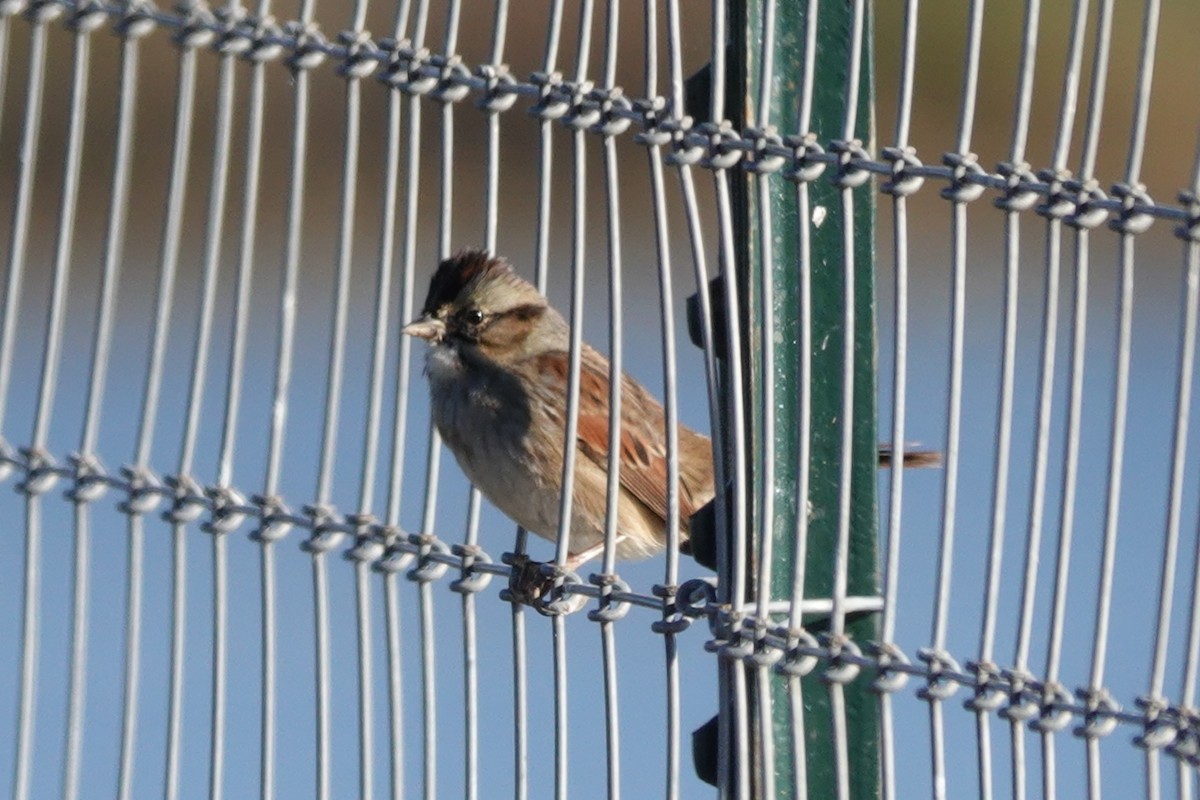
(534, 584)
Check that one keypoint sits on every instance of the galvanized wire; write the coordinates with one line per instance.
(589, 105)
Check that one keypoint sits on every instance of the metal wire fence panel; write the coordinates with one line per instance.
(241, 561)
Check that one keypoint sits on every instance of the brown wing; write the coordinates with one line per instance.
(643, 447)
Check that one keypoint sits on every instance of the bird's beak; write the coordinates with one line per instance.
(426, 328)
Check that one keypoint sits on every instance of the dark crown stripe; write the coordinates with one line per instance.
(455, 273)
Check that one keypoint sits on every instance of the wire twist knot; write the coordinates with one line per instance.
(1020, 181)
(90, 478)
(397, 553)
(41, 471)
(326, 533)
(472, 579)
(904, 181)
(144, 491)
(198, 28)
(1055, 712)
(1135, 200)
(360, 59)
(554, 99)
(889, 677)
(990, 689)
(966, 178)
(844, 657)
(764, 156)
(610, 609)
(945, 675)
(1160, 727)
(851, 155)
(501, 92)
(137, 18)
(1100, 719)
(427, 569)
(189, 501)
(274, 518)
(228, 510)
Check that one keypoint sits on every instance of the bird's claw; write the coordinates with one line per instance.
(531, 584)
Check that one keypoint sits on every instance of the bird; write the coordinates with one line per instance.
(497, 368)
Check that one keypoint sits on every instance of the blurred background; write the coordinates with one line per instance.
(1170, 154)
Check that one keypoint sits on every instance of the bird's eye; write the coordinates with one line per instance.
(473, 316)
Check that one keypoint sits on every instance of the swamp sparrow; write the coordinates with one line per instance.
(497, 369)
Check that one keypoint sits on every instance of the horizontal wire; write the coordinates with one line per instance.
(745, 635)
(414, 70)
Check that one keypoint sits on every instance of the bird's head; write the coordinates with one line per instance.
(477, 301)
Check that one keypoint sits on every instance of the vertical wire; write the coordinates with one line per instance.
(178, 639)
(366, 496)
(320, 584)
(1008, 356)
(29, 636)
(766, 463)
(395, 683)
(169, 256)
(804, 406)
(1178, 461)
(546, 152)
(412, 170)
(400, 419)
(1078, 344)
(29, 647)
(212, 255)
(1183, 399)
(954, 405)
(575, 353)
(133, 605)
(578, 232)
(733, 744)
(332, 412)
(60, 280)
(412, 165)
(1067, 113)
(291, 266)
(1137, 142)
(433, 464)
(27, 158)
(237, 347)
(114, 243)
(471, 541)
(541, 270)
(612, 730)
(670, 407)
(841, 554)
(366, 683)
(1191, 669)
(336, 365)
(69, 202)
(220, 648)
(1112, 502)
(891, 572)
(1012, 230)
(269, 656)
(363, 554)
(279, 408)
(471, 657)
(471, 538)
(79, 630)
(100, 357)
(212, 246)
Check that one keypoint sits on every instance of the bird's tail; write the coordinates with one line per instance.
(912, 458)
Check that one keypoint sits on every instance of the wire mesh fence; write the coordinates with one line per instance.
(239, 561)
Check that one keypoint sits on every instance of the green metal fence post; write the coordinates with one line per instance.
(776, 259)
